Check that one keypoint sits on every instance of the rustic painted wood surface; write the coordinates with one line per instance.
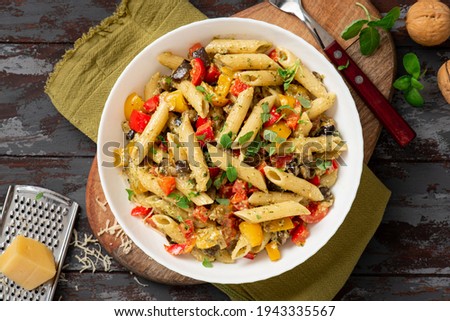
(409, 256)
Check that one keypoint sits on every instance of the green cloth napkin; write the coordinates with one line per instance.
(79, 87)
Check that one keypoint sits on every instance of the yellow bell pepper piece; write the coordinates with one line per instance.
(252, 232)
(272, 251)
(221, 91)
(281, 224)
(176, 101)
(281, 129)
(286, 100)
(227, 71)
(133, 101)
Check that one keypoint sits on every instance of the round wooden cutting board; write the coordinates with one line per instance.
(334, 16)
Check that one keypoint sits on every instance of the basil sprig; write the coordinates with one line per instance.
(410, 84)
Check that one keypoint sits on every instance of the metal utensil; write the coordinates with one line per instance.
(378, 104)
(45, 216)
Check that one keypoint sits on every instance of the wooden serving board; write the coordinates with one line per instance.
(334, 16)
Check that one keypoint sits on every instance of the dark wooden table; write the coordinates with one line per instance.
(409, 256)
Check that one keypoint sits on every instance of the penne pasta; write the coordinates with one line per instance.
(169, 227)
(246, 61)
(321, 105)
(261, 78)
(188, 188)
(261, 198)
(272, 212)
(152, 87)
(194, 97)
(191, 148)
(293, 183)
(170, 60)
(223, 160)
(235, 46)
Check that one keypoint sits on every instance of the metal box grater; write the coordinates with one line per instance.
(45, 216)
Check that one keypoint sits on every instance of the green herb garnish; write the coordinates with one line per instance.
(265, 115)
(410, 84)
(231, 173)
(223, 201)
(306, 103)
(207, 263)
(39, 196)
(369, 36)
(342, 67)
(181, 201)
(323, 164)
(285, 107)
(130, 193)
(245, 138)
(226, 141)
(288, 74)
(271, 136)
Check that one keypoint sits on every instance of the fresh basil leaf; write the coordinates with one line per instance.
(207, 263)
(231, 173)
(323, 164)
(226, 141)
(369, 40)
(403, 82)
(388, 21)
(243, 139)
(414, 98)
(342, 67)
(285, 107)
(288, 74)
(412, 64)
(223, 201)
(130, 193)
(306, 103)
(219, 180)
(353, 29)
(270, 135)
(265, 115)
(201, 89)
(416, 84)
(183, 202)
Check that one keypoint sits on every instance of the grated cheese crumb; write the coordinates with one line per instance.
(139, 282)
(101, 205)
(126, 245)
(92, 253)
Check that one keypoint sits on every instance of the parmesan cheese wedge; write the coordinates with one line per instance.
(27, 262)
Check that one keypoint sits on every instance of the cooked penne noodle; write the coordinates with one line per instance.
(152, 87)
(150, 133)
(292, 183)
(321, 105)
(303, 75)
(162, 206)
(195, 98)
(241, 249)
(170, 60)
(261, 78)
(237, 114)
(330, 179)
(254, 120)
(304, 126)
(192, 149)
(188, 189)
(247, 61)
(261, 198)
(169, 227)
(223, 160)
(272, 212)
(235, 46)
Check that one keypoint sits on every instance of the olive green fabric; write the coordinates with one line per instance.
(79, 87)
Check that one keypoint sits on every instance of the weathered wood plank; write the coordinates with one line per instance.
(404, 288)
(29, 123)
(53, 21)
(125, 286)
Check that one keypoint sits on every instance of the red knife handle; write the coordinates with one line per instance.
(378, 104)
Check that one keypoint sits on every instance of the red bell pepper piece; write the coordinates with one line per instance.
(240, 186)
(138, 121)
(226, 191)
(212, 74)
(240, 200)
(214, 172)
(274, 116)
(281, 161)
(261, 167)
(318, 212)
(200, 121)
(167, 184)
(237, 87)
(315, 180)
(151, 104)
(273, 55)
(299, 234)
(194, 48)
(176, 249)
(200, 213)
(198, 71)
(292, 120)
(205, 133)
(250, 256)
(140, 211)
(334, 166)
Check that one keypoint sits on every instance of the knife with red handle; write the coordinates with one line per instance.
(378, 104)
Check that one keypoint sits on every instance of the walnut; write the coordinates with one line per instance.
(428, 22)
(443, 77)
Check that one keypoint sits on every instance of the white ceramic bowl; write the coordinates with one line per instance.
(134, 78)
